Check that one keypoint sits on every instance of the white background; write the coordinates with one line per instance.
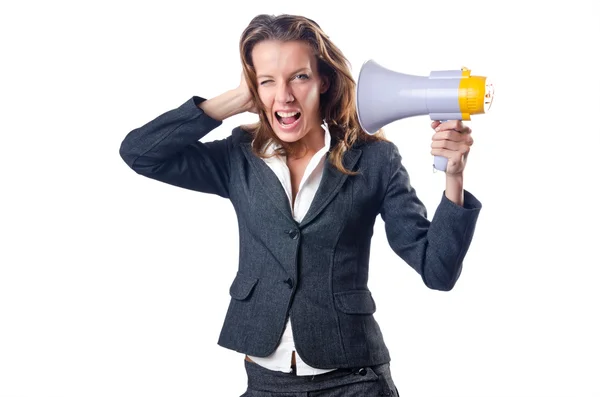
(115, 285)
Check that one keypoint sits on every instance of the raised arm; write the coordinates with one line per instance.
(167, 148)
(436, 248)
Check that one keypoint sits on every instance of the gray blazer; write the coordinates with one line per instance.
(315, 271)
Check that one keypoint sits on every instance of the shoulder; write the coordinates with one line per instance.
(241, 134)
(379, 158)
(382, 149)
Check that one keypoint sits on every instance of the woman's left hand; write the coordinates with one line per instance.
(452, 140)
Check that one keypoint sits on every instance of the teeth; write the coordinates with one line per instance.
(287, 114)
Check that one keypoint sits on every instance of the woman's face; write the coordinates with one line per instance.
(289, 87)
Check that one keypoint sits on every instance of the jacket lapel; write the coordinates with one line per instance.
(330, 185)
(270, 183)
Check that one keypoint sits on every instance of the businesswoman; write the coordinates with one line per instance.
(307, 184)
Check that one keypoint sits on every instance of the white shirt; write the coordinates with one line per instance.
(281, 359)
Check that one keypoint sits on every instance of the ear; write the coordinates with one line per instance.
(324, 84)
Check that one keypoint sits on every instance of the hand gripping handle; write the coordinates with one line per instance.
(440, 162)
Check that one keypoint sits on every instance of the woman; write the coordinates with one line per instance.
(307, 184)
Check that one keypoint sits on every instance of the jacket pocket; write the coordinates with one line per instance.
(355, 302)
(242, 286)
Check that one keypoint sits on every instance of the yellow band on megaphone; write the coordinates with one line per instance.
(471, 94)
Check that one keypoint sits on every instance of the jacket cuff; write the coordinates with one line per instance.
(470, 203)
(451, 215)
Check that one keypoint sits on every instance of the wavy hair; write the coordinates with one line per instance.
(337, 104)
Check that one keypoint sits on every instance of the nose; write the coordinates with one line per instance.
(284, 94)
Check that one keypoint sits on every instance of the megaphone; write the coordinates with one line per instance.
(384, 96)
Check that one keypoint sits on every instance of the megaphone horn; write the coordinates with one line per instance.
(384, 96)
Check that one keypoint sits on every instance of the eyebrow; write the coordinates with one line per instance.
(262, 76)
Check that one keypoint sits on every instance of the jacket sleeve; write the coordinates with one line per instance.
(436, 248)
(167, 149)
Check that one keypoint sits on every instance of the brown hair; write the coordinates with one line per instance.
(337, 104)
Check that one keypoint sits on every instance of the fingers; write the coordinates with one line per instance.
(450, 149)
(462, 147)
(452, 140)
(456, 162)
(455, 152)
(456, 125)
(453, 136)
(455, 157)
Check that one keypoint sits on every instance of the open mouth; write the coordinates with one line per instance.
(287, 119)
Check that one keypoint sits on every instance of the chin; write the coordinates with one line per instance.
(287, 137)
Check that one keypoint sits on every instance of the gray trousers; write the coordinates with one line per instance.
(373, 381)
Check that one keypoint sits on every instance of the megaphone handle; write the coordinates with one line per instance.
(440, 162)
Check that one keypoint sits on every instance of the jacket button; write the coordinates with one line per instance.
(289, 282)
(362, 372)
(293, 234)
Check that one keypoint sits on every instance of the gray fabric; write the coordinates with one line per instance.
(317, 270)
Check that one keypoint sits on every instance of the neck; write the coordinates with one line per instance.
(312, 142)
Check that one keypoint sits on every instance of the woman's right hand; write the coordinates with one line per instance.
(230, 103)
(246, 96)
